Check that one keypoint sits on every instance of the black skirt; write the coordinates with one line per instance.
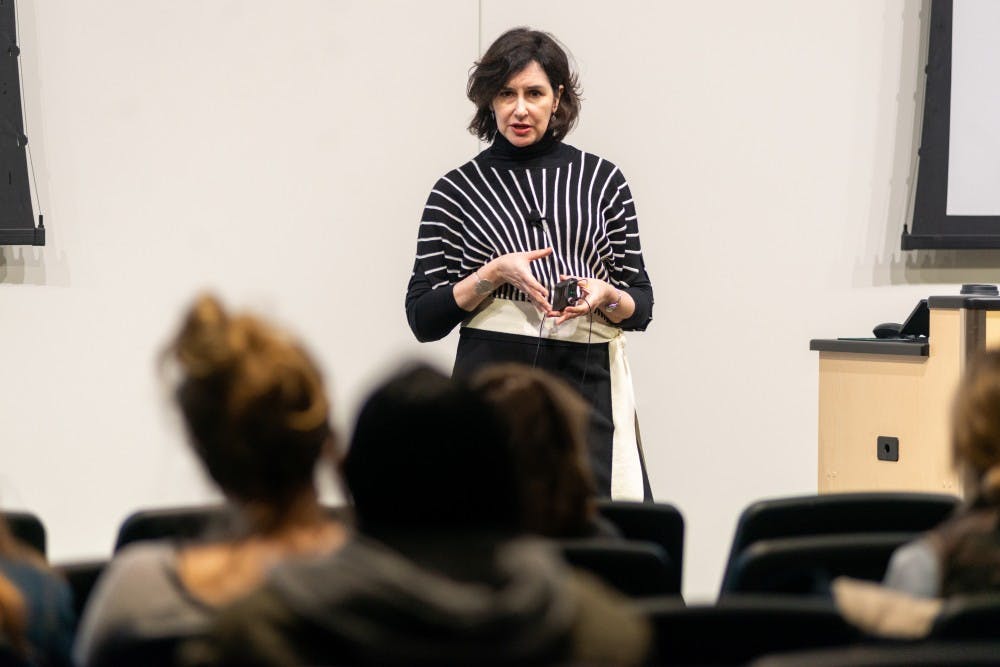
(584, 366)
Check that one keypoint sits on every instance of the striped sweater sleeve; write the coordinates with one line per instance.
(431, 309)
(626, 267)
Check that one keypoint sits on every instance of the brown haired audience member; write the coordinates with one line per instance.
(438, 572)
(962, 555)
(36, 605)
(257, 416)
(547, 422)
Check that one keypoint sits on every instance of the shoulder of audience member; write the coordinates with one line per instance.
(127, 587)
(134, 563)
(915, 568)
(608, 629)
(257, 629)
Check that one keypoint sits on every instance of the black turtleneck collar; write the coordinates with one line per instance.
(502, 149)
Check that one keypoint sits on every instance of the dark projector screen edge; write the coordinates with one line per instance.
(932, 227)
(17, 220)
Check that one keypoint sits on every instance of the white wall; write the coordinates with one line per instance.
(280, 153)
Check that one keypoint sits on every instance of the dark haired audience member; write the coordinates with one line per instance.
(36, 605)
(962, 555)
(547, 423)
(257, 416)
(438, 573)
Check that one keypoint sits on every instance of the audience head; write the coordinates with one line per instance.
(547, 423)
(428, 453)
(507, 56)
(976, 426)
(253, 403)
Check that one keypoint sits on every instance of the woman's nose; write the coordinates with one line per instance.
(521, 106)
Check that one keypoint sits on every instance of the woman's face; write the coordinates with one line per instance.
(525, 105)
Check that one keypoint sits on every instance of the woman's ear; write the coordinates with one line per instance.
(555, 105)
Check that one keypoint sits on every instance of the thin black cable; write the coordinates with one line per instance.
(538, 346)
(586, 356)
(590, 333)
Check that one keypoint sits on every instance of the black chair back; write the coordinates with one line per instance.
(188, 523)
(740, 629)
(635, 568)
(154, 650)
(807, 565)
(836, 513)
(10, 657)
(660, 523)
(27, 528)
(180, 523)
(81, 577)
(921, 654)
(969, 617)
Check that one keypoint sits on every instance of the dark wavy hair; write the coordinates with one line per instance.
(509, 54)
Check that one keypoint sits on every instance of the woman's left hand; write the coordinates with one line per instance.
(594, 294)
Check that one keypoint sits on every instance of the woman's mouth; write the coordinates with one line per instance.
(520, 128)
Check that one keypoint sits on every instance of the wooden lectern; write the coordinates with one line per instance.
(885, 405)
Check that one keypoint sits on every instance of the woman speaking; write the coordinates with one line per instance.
(533, 246)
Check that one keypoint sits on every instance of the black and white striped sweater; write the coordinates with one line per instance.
(510, 199)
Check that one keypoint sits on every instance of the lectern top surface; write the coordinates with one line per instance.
(971, 302)
(910, 347)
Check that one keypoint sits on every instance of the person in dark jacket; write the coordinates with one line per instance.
(37, 620)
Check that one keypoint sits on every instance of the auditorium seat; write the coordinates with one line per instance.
(11, 658)
(807, 565)
(81, 577)
(180, 523)
(740, 629)
(149, 649)
(660, 523)
(969, 617)
(189, 522)
(27, 528)
(918, 654)
(838, 513)
(635, 568)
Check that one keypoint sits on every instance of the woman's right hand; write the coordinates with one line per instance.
(515, 269)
